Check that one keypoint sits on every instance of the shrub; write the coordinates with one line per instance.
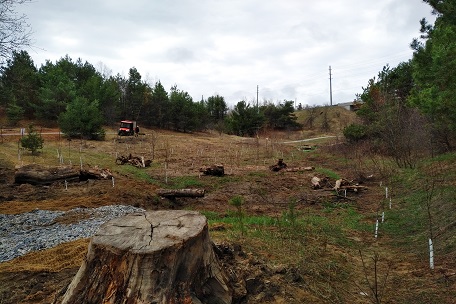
(33, 141)
(355, 132)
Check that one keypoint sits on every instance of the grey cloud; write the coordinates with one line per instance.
(180, 55)
(230, 46)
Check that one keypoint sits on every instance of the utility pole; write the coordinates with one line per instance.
(330, 87)
(258, 109)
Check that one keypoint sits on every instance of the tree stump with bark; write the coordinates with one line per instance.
(214, 170)
(151, 257)
(44, 175)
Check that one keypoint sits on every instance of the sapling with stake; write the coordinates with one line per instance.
(377, 287)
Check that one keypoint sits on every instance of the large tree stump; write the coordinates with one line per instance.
(151, 257)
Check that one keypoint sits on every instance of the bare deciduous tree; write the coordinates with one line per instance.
(15, 32)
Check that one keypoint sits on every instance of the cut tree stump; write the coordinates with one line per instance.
(151, 257)
(172, 193)
(279, 166)
(42, 175)
(214, 170)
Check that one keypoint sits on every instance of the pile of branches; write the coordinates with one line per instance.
(136, 161)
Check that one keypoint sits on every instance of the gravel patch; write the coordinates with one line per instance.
(39, 229)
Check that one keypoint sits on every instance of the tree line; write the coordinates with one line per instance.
(80, 99)
(410, 109)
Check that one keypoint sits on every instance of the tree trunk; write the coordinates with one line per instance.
(151, 257)
(42, 175)
(171, 193)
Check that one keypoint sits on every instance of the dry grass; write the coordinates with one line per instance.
(64, 256)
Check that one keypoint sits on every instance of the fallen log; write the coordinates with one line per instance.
(172, 193)
(35, 174)
(152, 257)
(94, 173)
(353, 188)
(297, 169)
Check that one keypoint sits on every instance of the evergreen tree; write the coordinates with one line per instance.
(14, 113)
(82, 119)
(159, 107)
(280, 117)
(20, 83)
(182, 111)
(57, 90)
(136, 95)
(109, 98)
(244, 120)
(32, 141)
(217, 108)
(434, 72)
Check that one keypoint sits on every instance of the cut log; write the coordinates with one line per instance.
(43, 175)
(315, 182)
(171, 193)
(214, 170)
(152, 257)
(338, 183)
(95, 173)
(297, 169)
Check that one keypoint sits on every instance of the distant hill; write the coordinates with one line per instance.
(327, 119)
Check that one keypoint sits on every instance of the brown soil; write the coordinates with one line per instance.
(269, 276)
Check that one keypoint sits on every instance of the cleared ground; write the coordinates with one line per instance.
(290, 243)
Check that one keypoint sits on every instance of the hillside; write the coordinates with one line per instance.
(290, 244)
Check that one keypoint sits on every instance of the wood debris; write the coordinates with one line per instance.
(136, 161)
(279, 166)
(338, 186)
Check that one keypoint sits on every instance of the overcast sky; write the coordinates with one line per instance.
(229, 47)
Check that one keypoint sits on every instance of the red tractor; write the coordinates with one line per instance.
(127, 128)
